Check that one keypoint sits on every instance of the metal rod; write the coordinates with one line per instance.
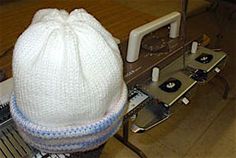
(184, 6)
(226, 84)
(130, 146)
(124, 139)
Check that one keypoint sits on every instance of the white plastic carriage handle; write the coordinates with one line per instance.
(137, 34)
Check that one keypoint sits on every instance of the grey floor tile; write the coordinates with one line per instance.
(150, 146)
(220, 139)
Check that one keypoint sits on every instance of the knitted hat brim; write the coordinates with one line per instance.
(73, 138)
(69, 145)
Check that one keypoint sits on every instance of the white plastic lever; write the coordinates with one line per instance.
(194, 47)
(217, 70)
(137, 34)
(185, 100)
(155, 74)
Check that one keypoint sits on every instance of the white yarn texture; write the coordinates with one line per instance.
(67, 69)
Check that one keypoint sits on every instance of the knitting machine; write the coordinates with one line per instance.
(160, 74)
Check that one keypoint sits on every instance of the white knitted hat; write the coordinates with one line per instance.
(68, 77)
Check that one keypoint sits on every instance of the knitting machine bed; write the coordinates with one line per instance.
(13, 146)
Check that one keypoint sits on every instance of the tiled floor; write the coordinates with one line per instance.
(206, 128)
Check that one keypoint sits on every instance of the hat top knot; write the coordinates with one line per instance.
(60, 16)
